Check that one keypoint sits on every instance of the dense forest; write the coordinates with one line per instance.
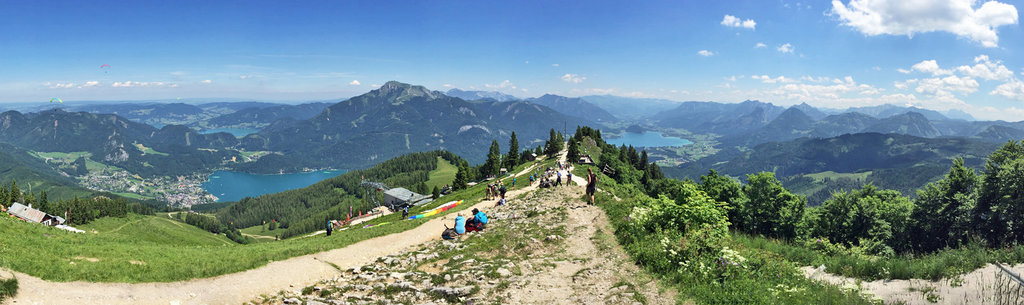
(76, 210)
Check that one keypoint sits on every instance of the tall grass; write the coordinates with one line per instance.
(8, 288)
(934, 266)
(764, 278)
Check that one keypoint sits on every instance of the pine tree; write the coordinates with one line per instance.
(513, 152)
(461, 178)
(493, 163)
(15, 195)
(573, 154)
(437, 193)
(643, 160)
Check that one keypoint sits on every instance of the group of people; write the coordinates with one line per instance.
(552, 177)
(497, 188)
(476, 222)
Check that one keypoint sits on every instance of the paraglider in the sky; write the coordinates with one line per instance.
(104, 66)
(56, 100)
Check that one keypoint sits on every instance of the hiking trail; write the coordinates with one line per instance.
(243, 286)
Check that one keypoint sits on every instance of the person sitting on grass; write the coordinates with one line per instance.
(477, 222)
(501, 201)
(460, 224)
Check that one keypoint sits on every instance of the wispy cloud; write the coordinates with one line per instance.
(573, 78)
(354, 83)
(785, 48)
(129, 84)
(705, 53)
(760, 45)
(207, 81)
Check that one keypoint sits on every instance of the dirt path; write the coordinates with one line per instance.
(544, 247)
(976, 287)
(238, 287)
(592, 268)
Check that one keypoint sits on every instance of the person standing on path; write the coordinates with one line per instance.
(591, 185)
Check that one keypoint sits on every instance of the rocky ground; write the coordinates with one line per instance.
(545, 247)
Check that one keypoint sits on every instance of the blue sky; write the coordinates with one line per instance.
(953, 54)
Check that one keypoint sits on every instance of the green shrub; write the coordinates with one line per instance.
(8, 288)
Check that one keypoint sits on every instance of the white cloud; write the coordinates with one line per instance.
(129, 84)
(554, 65)
(904, 71)
(947, 86)
(705, 53)
(503, 85)
(732, 21)
(760, 45)
(930, 66)
(904, 84)
(769, 80)
(449, 86)
(987, 69)
(883, 17)
(89, 84)
(375, 85)
(573, 78)
(59, 85)
(786, 48)
(206, 81)
(244, 76)
(1014, 89)
(353, 83)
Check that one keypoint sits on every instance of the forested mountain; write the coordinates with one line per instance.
(1000, 134)
(397, 119)
(899, 162)
(307, 209)
(112, 140)
(258, 117)
(886, 111)
(576, 107)
(480, 95)
(630, 108)
(148, 113)
(719, 118)
(18, 165)
(910, 123)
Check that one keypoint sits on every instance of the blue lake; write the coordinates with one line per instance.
(237, 132)
(647, 139)
(232, 186)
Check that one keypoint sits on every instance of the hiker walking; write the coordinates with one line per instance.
(591, 185)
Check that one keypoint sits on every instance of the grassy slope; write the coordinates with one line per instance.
(171, 252)
(444, 174)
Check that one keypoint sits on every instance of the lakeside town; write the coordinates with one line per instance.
(178, 191)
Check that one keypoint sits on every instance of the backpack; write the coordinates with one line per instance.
(449, 233)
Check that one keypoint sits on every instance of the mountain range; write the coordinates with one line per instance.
(400, 118)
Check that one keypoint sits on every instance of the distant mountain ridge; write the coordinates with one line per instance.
(480, 95)
(258, 117)
(399, 118)
(628, 108)
(111, 140)
(576, 107)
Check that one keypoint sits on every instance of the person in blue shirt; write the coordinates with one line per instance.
(460, 224)
(478, 221)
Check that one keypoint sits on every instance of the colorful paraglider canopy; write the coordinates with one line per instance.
(56, 100)
(104, 66)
